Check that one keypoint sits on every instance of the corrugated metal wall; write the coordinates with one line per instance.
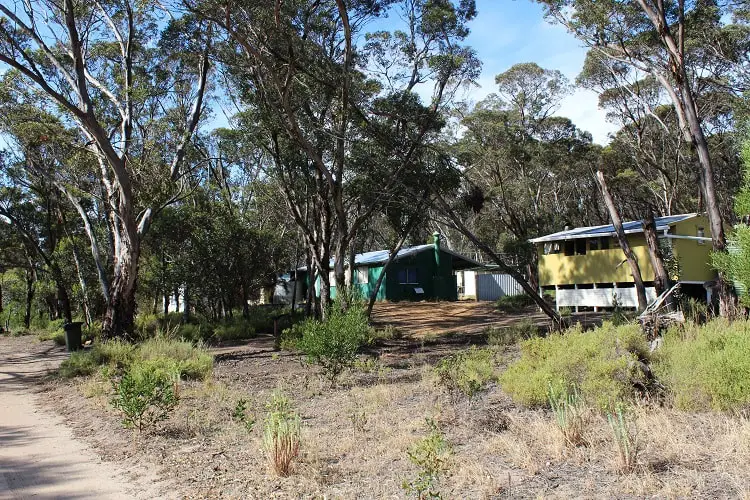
(494, 286)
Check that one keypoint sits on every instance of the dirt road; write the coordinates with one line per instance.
(39, 456)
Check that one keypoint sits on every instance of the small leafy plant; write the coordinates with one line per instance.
(569, 410)
(145, 396)
(240, 415)
(626, 438)
(281, 436)
(431, 455)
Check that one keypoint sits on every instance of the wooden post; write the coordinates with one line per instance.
(575, 287)
(557, 298)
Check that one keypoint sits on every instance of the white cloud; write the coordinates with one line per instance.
(582, 108)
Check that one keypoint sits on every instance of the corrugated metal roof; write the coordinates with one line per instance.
(381, 256)
(662, 224)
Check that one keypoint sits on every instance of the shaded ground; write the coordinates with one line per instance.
(38, 455)
(465, 317)
(419, 319)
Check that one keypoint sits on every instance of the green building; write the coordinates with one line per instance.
(424, 272)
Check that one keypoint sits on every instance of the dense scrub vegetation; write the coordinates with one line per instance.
(699, 366)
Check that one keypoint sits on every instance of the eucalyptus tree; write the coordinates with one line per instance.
(32, 207)
(531, 170)
(131, 82)
(678, 44)
(648, 153)
(334, 102)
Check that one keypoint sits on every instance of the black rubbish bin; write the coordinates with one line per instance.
(73, 335)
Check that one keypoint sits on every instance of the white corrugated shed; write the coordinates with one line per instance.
(494, 286)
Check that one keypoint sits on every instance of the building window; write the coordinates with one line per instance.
(580, 247)
(551, 247)
(599, 244)
(570, 248)
(363, 275)
(407, 276)
(701, 233)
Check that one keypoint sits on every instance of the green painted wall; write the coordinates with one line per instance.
(436, 282)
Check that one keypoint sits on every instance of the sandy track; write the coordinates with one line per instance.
(39, 456)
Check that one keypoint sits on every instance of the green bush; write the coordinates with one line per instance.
(333, 344)
(146, 325)
(193, 362)
(509, 335)
(145, 395)
(234, 330)
(707, 366)
(602, 363)
(192, 332)
(56, 336)
(161, 354)
(513, 303)
(79, 364)
(468, 372)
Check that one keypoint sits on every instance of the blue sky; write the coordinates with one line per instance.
(507, 32)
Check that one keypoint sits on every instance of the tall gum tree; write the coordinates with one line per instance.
(336, 103)
(99, 63)
(658, 38)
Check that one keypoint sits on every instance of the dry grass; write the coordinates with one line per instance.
(499, 449)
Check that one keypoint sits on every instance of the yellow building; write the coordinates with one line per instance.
(586, 267)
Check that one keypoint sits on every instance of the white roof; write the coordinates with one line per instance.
(662, 224)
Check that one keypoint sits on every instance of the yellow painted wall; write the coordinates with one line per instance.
(601, 266)
(597, 266)
(695, 259)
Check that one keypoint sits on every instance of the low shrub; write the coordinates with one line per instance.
(146, 325)
(79, 364)
(187, 360)
(603, 363)
(513, 303)
(707, 366)
(145, 395)
(193, 362)
(234, 330)
(467, 372)
(281, 436)
(509, 335)
(431, 455)
(56, 336)
(117, 354)
(333, 344)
